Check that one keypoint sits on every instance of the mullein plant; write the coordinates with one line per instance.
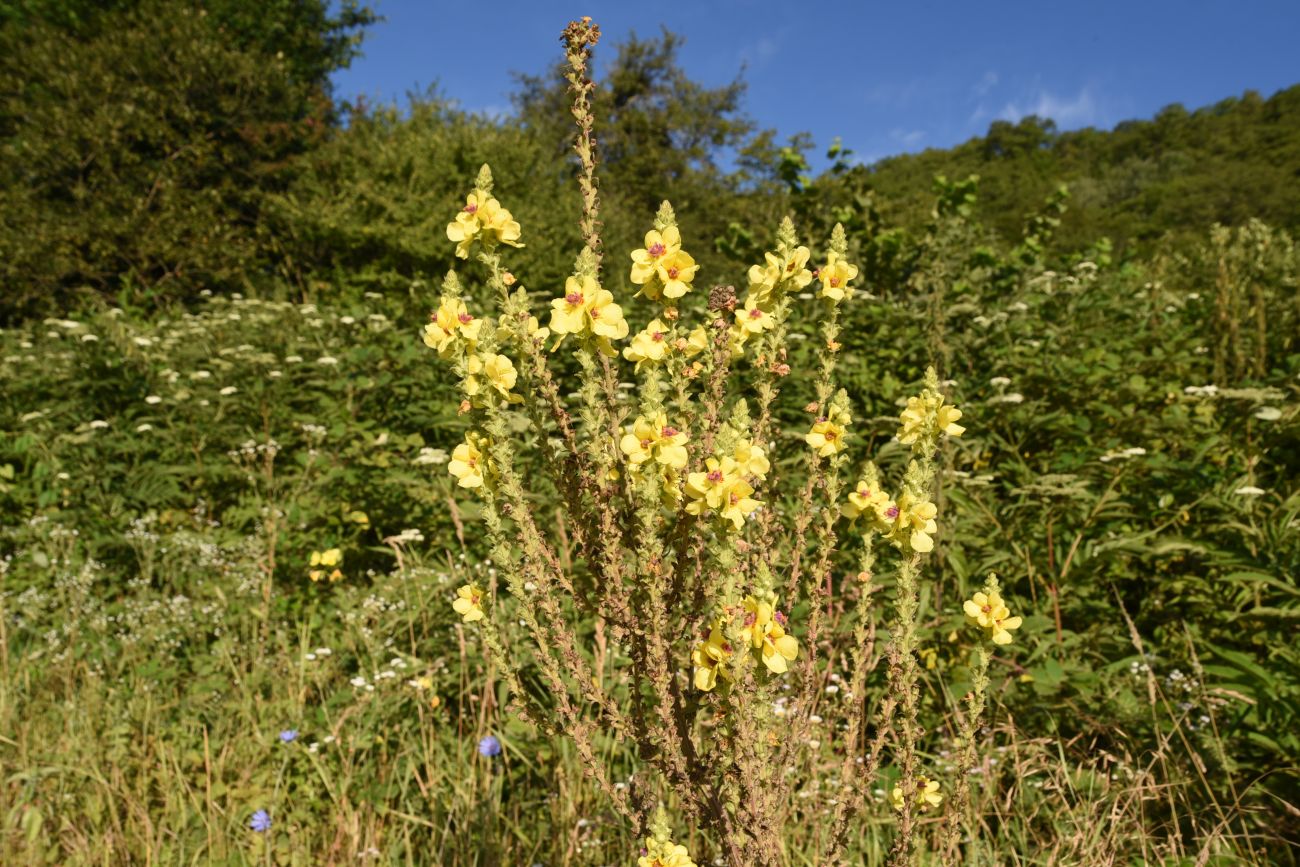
(685, 566)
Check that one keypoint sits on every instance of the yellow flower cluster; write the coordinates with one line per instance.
(665, 854)
(928, 413)
(653, 446)
(829, 432)
(469, 603)
(723, 486)
(987, 611)
(927, 794)
(910, 520)
(470, 463)
(710, 658)
(782, 271)
(448, 323)
(662, 268)
(482, 219)
(328, 559)
(764, 630)
(587, 310)
(835, 276)
(493, 372)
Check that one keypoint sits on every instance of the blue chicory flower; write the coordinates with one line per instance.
(260, 822)
(288, 736)
(489, 746)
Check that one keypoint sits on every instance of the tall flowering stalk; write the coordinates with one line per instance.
(687, 577)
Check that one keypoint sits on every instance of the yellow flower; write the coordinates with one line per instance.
(764, 630)
(450, 321)
(710, 658)
(645, 262)
(468, 462)
(753, 319)
(695, 343)
(648, 345)
(916, 418)
(328, 559)
(763, 280)
(722, 489)
(751, 459)
(927, 794)
(795, 269)
(675, 272)
(864, 500)
(528, 328)
(827, 436)
(500, 371)
(915, 519)
(835, 276)
(469, 603)
(482, 219)
(665, 854)
(988, 611)
(655, 438)
(587, 309)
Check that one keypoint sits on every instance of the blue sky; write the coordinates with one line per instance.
(887, 78)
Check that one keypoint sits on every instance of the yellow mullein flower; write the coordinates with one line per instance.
(694, 343)
(751, 459)
(465, 228)
(665, 854)
(988, 611)
(753, 319)
(500, 371)
(675, 272)
(329, 558)
(482, 219)
(927, 794)
(655, 438)
(864, 500)
(468, 462)
(497, 225)
(651, 344)
(763, 280)
(835, 276)
(645, 262)
(737, 504)
(795, 268)
(827, 436)
(587, 309)
(920, 410)
(528, 328)
(710, 658)
(710, 489)
(469, 603)
(450, 321)
(764, 629)
(916, 519)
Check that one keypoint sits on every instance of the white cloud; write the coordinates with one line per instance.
(907, 138)
(986, 83)
(1079, 110)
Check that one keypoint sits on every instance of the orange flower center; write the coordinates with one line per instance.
(656, 250)
(574, 298)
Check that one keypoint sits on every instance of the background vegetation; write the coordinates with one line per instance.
(211, 289)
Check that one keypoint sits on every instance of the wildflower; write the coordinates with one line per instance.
(330, 558)
(260, 822)
(482, 219)
(675, 271)
(835, 276)
(430, 455)
(229, 390)
(655, 438)
(664, 854)
(587, 309)
(468, 462)
(650, 344)
(987, 610)
(827, 435)
(752, 319)
(153, 399)
(497, 369)
(469, 603)
(451, 321)
(710, 658)
(1250, 491)
(489, 747)
(751, 459)
(658, 245)
(764, 630)
(927, 794)
(925, 410)
(722, 489)
(288, 736)
(914, 522)
(869, 501)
